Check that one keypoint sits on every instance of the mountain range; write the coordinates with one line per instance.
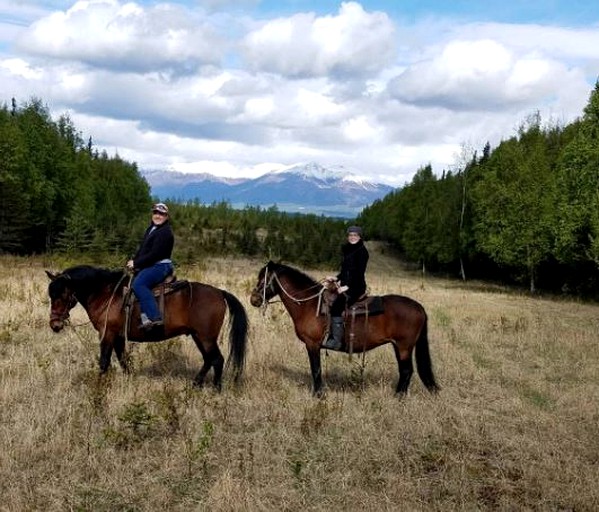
(305, 188)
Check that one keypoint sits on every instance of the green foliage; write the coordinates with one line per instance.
(577, 232)
(56, 193)
(526, 211)
(220, 230)
(515, 200)
(135, 424)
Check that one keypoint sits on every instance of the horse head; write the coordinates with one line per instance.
(265, 288)
(62, 299)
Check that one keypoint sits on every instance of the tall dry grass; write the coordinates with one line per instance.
(515, 426)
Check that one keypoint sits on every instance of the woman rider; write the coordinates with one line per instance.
(152, 263)
(351, 284)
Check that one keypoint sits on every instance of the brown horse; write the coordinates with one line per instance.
(194, 308)
(403, 323)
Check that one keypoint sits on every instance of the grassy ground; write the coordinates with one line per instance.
(515, 426)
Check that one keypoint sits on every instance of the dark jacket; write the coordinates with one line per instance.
(156, 245)
(353, 268)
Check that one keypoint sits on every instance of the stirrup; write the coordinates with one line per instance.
(332, 344)
(152, 324)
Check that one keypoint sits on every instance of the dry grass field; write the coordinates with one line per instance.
(515, 426)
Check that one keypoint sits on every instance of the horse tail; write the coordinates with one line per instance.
(237, 334)
(423, 359)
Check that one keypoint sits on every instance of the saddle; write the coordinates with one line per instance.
(368, 305)
(169, 285)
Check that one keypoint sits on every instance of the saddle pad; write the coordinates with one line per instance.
(370, 305)
(168, 287)
(171, 287)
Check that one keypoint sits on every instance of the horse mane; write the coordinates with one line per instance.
(93, 277)
(294, 274)
(87, 272)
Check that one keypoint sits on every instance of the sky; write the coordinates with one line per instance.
(241, 87)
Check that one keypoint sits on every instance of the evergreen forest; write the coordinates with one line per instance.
(525, 212)
(60, 195)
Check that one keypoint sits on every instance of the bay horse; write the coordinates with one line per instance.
(403, 323)
(193, 309)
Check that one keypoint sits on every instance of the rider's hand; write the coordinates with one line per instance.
(130, 265)
(343, 289)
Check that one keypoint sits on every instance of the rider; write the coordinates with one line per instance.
(152, 263)
(351, 284)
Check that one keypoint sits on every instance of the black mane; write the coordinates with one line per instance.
(297, 276)
(85, 280)
(93, 275)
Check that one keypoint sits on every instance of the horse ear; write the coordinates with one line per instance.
(51, 276)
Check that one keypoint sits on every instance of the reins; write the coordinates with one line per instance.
(109, 302)
(105, 306)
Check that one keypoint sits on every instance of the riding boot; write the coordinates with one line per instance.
(145, 321)
(148, 325)
(335, 339)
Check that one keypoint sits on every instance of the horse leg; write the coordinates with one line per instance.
(122, 356)
(218, 363)
(406, 369)
(315, 368)
(106, 346)
(212, 358)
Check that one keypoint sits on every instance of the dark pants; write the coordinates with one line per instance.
(143, 283)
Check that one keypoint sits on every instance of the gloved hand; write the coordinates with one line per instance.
(130, 265)
(342, 289)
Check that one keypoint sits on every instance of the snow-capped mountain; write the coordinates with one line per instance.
(306, 188)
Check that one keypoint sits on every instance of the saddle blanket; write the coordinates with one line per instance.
(166, 287)
(370, 306)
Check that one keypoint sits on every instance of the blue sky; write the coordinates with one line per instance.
(240, 87)
(561, 12)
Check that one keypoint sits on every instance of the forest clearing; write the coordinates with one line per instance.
(514, 427)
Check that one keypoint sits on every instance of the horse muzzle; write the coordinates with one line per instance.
(58, 321)
(256, 299)
(56, 324)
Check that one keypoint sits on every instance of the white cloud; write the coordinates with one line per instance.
(179, 87)
(21, 68)
(352, 43)
(359, 129)
(481, 75)
(109, 34)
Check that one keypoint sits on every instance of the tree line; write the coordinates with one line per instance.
(59, 194)
(526, 211)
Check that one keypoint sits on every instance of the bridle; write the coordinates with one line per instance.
(65, 315)
(72, 302)
(268, 284)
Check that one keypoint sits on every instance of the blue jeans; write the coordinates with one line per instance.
(143, 283)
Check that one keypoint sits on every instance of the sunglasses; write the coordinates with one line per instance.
(156, 212)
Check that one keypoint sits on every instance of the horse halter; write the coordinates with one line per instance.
(266, 284)
(270, 286)
(70, 302)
